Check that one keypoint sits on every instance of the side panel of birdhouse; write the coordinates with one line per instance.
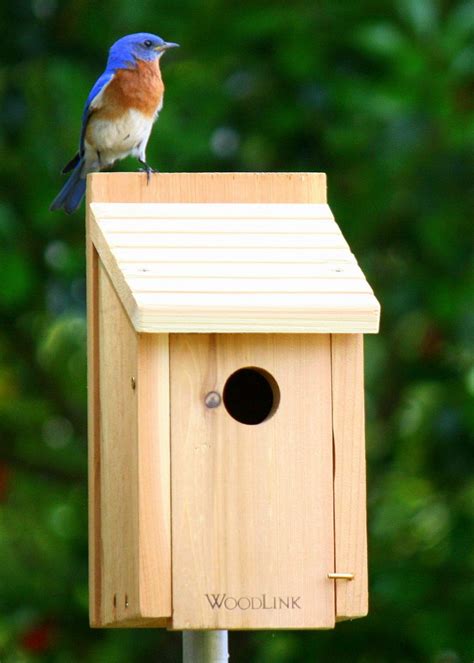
(349, 475)
(252, 505)
(130, 572)
(154, 478)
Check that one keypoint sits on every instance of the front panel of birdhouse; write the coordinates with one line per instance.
(252, 488)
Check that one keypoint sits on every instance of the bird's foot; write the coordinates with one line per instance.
(146, 169)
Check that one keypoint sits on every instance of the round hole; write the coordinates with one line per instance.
(251, 395)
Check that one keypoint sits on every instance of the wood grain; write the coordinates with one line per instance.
(275, 284)
(349, 478)
(154, 489)
(132, 542)
(118, 459)
(93, 414)
(254, 271)
(240, 240)
(208, 187)
(246, 213)
(129, 464)
(252, 505)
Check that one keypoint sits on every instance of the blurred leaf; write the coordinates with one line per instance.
(17, 282)
(422, 15)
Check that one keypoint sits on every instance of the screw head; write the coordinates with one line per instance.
(213, 399)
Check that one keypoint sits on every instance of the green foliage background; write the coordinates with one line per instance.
(377, 94)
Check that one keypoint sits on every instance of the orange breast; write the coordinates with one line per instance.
(140, 88)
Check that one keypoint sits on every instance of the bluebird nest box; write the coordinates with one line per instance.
(226, 403)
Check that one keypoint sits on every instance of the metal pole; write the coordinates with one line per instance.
(205, 647)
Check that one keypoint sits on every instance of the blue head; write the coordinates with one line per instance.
(139, 46)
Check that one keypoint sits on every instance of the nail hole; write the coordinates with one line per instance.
(133, 382)
(126, 600)
(251, 395)
(115, 600)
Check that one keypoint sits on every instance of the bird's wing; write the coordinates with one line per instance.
(94, 101)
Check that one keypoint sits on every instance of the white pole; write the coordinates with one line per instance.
(205, 647)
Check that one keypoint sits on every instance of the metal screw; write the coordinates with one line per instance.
(133, 382)
(213, 399)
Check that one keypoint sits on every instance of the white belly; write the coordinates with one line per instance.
(109, 140)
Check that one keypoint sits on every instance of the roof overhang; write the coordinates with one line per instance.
(233, 267)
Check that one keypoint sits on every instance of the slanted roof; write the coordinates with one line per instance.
(212, 267)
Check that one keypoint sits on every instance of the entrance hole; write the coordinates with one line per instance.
(251, 395)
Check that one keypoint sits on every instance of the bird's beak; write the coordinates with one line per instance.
(166, 45)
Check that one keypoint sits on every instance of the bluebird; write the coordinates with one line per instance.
(119, 113)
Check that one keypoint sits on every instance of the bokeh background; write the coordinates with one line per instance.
(380, 96)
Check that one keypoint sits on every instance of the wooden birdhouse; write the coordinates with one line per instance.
(226, 403)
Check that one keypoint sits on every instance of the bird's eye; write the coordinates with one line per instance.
(147, 43)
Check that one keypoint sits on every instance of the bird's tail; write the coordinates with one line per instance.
(70, 196)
